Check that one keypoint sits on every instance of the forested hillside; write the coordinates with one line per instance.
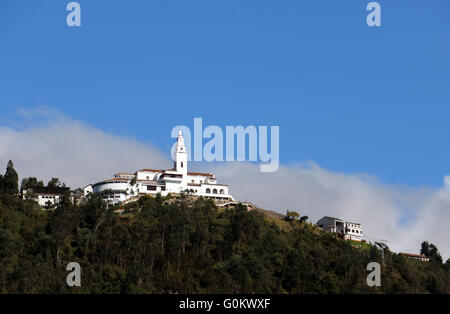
(185, 246)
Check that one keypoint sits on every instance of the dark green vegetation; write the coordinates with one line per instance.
(187, 246)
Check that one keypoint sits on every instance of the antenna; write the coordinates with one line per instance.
(382, 246)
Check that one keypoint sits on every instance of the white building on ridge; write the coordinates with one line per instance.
(45, 196)
(345, 230)
(125, 186)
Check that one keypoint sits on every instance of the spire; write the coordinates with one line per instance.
(180, 143)
(181, 155)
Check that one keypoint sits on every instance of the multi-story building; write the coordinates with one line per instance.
(45, 196)
(345, 230)
(419, 257)
(125, 186)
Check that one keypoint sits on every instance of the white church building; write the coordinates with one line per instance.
(127, 186)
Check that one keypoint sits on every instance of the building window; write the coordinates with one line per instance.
(208, 191)
(222, 191)
(181, 164)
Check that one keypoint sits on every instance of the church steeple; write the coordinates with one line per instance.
(181, 155)
(180, 143)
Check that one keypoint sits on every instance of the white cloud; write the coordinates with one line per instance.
(74, 152)
(447, 181)
(404, 216)
(79, 154)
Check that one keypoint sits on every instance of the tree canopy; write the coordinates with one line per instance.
(186, 245)
(10, 181)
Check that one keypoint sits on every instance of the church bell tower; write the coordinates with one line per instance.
(181, 156)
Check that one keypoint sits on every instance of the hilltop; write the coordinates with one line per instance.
(162, 245)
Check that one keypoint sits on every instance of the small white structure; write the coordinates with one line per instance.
(345, 230)
(419, 257)
(126, 186)
(87, 189)
(45, 196)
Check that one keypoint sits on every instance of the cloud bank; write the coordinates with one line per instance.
(79, 154)
(57, 146)
(404, 216)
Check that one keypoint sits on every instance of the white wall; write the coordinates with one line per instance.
(87, 190)
(144, 175)
(115, 186)
(44, 199)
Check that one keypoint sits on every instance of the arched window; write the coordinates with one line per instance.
(208, 191)
(181, 164)
(215, 191)
(222, 191)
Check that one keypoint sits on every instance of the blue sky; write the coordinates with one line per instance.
(349, 97)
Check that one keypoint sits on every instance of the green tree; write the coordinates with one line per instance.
(11, 180)
(1, 183)
(54, 183)
(435, 256)
(8, 256)
(291, 215)
(425, 250)
(171, 245)
(431, 251)
(31, 182)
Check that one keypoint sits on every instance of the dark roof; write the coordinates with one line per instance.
(329, 217)
(200, 174)
(414, 255)
(206, 174)
(111, 180)
(150, 170)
